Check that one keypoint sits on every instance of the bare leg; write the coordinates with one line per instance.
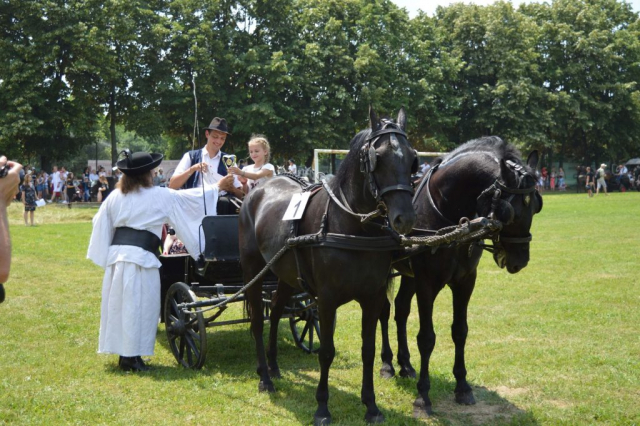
(461, 291)
(282, 296)
(326, 354)
(31, 214)
(26, 223)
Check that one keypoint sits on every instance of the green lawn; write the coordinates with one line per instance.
(558, 343)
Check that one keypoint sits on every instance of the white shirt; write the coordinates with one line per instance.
(253, 169)
(293, 169)
(148, 209)
(211, 177)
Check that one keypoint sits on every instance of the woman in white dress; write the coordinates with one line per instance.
(125, 241)
(261, 170)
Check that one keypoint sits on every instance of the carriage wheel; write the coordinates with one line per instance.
(305, 326)
(186, 329)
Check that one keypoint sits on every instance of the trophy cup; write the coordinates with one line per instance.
(229, 160)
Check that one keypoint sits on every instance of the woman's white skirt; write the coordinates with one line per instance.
(130, 310)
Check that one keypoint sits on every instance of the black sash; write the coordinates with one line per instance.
(125, 236)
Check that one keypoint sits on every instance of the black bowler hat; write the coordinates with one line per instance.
(219, 124)
(138, 163)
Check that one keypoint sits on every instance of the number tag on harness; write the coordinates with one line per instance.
(296, 206)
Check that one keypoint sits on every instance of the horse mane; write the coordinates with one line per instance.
(352, 161)
(493, 146)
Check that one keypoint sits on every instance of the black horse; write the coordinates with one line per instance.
(376, 173)
(482, 177)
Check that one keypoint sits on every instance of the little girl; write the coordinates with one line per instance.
(29, 197)
(261, 170)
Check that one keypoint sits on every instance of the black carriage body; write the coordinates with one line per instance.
(183, 281)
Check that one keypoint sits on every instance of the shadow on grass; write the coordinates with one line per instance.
(490, 409)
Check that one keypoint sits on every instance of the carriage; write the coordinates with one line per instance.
(195, 294)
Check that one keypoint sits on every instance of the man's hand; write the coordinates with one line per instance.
(226, 184)
(9, 183)
(200, 167)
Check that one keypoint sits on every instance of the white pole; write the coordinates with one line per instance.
(315, 165)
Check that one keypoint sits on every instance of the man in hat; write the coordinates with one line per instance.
(125, 241)
(207, 163)
(600, 175)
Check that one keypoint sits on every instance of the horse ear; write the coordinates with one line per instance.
(402, 119)
(532, 161)
(374, 123)
(508, 175)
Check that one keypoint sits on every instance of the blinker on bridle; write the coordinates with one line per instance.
(368, 161)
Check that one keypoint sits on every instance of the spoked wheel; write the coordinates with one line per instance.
(305, 326)
(186, 330)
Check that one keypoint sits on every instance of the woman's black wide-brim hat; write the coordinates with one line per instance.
(139, 163)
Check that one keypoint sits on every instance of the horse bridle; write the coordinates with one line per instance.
(368, 161)
(495, 191)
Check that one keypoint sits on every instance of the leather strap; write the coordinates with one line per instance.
(126, 236)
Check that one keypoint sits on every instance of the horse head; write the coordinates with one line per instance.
(388, 161)
(513, 200)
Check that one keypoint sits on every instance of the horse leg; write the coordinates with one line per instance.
(461, 290)
(254, 295)
(278, 304)
(326, 354)
(386, 371)
(403, 309)
(426, 295)
(370, 314)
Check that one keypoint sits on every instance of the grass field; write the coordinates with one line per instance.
(556, 344)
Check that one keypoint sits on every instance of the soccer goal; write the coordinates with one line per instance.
(327, 161)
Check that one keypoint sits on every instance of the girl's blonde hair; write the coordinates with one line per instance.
(262, 140)
(28, 179)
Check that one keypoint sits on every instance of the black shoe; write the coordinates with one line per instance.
(132, 363)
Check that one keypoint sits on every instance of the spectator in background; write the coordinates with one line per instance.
(162, 177)
(55, 184)
(9, 181)
(561, 183)
(589, 181)
(545, 178)
(600, 179)
(552, 179)
(93, 177)
(29, 197)
(103, 188)
(86, 185)
(293, 169)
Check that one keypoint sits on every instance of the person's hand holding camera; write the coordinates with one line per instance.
(9, 181)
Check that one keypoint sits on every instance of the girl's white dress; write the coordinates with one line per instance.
(131, 286)
(253, 169)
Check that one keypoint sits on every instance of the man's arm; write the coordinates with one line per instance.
(8, 189)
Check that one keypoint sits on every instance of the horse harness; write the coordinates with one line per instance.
(495, 191)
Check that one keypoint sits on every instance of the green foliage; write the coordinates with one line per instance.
(560, 77)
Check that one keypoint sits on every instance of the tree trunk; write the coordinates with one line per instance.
(112, 126)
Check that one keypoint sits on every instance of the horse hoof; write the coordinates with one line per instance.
(266, 387)
(465, 398)
(374, 418)
(421, 409)
(274, 373)
(321, 420)
(387, 371)
(408, 373)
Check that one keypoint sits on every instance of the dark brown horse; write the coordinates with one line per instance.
(377, 170)
(481, 177)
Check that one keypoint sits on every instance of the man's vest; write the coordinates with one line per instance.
(196, 157)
